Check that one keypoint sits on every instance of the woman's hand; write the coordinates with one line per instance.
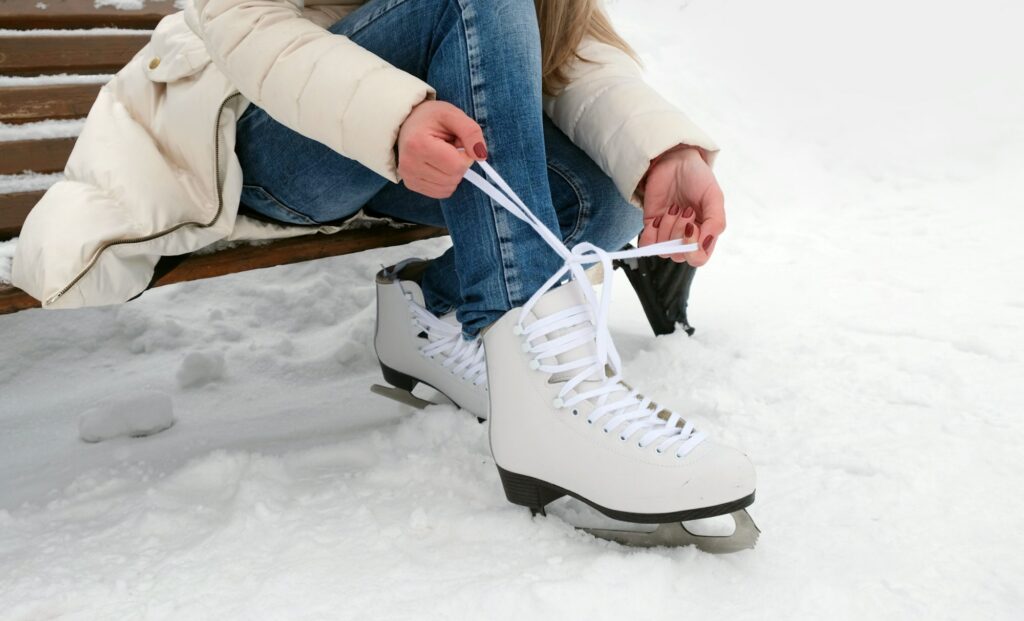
(682, 200)
(429, 160)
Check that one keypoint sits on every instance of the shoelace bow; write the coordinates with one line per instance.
(546, 338)
(463, 358)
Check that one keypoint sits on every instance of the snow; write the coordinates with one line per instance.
(57, 78)
(199, 368)
(28, 182)
(78, 32)
(133, 415)
(860, 334)
(54, 128)
(6, 256)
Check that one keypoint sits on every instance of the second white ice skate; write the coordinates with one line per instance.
(414, 346)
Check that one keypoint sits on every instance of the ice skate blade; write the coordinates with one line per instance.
(401, 396)
(674, 534)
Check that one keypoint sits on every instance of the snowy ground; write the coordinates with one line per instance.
(860, 334)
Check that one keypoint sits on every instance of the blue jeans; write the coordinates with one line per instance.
(484, 57)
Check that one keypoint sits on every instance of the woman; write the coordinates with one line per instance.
(328, 108)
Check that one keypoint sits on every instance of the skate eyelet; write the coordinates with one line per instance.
(658, 451)
(623, 438)
(575, 412)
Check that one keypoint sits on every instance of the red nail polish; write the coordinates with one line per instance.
(673, 210)
(688, 212)
(480, 150)
(688, 232)
(707, 242)
(657, 222)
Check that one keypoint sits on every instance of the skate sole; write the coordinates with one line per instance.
(535, 494)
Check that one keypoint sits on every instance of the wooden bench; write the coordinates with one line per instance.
(98, 54)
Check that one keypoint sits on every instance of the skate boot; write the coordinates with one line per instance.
(563, 421)
(414, 346)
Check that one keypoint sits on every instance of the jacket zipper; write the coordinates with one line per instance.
(136, 240)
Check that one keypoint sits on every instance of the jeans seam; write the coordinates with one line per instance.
(372, 17)
(582, 214)
(502, 231)
(283, 206)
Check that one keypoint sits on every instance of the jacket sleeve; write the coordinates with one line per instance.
(617, 119)
(317, 83)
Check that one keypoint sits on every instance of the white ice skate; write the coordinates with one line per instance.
(414, 346)
(564, 422)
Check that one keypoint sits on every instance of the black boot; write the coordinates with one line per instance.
(663, 287)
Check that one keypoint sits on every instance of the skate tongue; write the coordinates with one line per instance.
(559, 299)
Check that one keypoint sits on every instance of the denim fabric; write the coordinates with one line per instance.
(484, 57)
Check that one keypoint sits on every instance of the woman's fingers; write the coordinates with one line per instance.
(684, 229)
(431, 188)
(668, 223)
(466, 131)
(691, 233)
(438, 171)
(712, 223)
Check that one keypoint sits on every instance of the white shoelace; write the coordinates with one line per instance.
(464, 359)
(622, 408)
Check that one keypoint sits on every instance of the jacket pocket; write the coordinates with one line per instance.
(174, 52)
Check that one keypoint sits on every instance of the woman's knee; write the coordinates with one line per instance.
(509, 23)
(591, 209)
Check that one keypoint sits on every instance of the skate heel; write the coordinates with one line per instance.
(398, 379)
(528, 491)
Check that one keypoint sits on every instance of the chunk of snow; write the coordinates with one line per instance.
(57, 78)
(64, 128)
(28, 182)
(140, 414)
(123, 5)
(200, 368)
(6, 259)
(78, 32)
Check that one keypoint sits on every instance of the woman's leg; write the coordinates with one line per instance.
(484, 57)
(587, 203)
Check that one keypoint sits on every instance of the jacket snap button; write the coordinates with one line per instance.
(154, 63)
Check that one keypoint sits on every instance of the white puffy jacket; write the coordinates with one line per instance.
(154, 171)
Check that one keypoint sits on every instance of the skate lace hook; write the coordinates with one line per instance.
(607, 356)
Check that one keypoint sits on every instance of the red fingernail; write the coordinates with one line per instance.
(707, 242)
(688, 212)
(673, 210)
(657, 222)
(688, 232)
(480, 150)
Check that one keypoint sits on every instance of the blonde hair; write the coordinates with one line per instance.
(563, 26)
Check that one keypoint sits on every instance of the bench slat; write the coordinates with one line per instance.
(14, 209)
(41, 156)
(22, 14)
(68, 54)
(249, 257)
(24, 104)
